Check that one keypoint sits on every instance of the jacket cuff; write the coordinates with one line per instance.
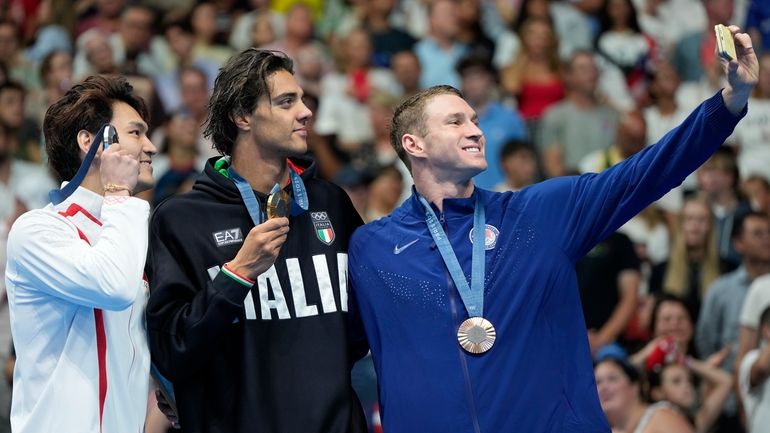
(717, 111)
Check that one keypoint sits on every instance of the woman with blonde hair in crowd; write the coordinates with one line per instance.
(694, 262)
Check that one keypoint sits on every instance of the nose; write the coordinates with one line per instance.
(305, 114)
(148, 147)
(474, 132)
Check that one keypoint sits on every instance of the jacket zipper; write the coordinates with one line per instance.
(463, 362)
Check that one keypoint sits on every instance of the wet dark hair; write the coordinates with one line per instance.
(241, 83)
(86, 106)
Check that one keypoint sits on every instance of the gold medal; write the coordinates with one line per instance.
(476, 335)
(278, 204)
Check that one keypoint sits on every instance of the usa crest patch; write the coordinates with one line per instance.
(490, 236)
(323, 227)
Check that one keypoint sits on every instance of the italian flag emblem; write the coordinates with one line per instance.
(323, 227)
(326, 235)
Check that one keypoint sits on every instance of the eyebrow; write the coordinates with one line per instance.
(460, 115)
(287, 95)
(140, 125)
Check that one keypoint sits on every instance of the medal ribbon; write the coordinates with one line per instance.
(473, 295)
(299, 202)
(105, 134)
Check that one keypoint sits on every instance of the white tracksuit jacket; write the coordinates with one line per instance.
(77, 297)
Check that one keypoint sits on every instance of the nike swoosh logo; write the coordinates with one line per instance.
(398, 250)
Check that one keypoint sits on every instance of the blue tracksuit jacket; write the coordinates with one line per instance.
(538, 377)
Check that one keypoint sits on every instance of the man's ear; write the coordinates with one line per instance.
(84, 140)
(413, 145)
(242, 122)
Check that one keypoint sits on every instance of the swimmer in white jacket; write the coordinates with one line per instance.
(75, 272)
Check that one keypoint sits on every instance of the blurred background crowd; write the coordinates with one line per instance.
(675, 303)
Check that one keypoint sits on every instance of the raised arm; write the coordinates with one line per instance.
(718, 383)
(600, 203)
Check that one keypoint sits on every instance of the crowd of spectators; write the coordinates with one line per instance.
(675, 302)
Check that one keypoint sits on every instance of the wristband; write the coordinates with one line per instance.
(248, 282)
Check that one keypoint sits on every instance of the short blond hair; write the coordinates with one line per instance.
(409, 117)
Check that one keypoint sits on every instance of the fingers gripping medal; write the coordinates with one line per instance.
(278, 203)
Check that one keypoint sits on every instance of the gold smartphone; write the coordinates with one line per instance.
(725, 43)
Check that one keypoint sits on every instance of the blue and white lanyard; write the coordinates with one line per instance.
(299, 202)
(105, 135)
(473, 295)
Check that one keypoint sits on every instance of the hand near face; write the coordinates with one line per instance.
(119, 167)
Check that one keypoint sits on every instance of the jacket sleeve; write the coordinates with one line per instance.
(592, 206)
(45, 253)
(185, 321)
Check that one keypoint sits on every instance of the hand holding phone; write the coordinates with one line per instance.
(725, 43)
(109, 137)
(119, 171)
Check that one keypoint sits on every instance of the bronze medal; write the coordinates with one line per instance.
(278, 204)
(476, 335)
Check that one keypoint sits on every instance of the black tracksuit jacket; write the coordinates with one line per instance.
(262, 359)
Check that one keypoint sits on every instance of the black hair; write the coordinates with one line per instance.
(241, 83)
